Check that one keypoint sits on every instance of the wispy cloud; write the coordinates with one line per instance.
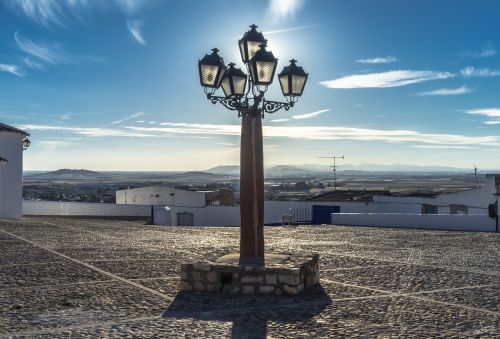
(378, 60)
(32, 63)
(41, 52)
(87, 131)
(324, 133)
(134, 27)
(290, 29)
(279, 120)
(479, 72)
(283, 9)
(52, 13)
(446, 91)
(492, 113)
(46, 12)
(488, 112)
(443, 147)
(386, 79)
(130, 117)
(12, 69)
(310, 115)
(486, 51)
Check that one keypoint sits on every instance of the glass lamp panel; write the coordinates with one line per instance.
(253, 47)
(298, 83)
(208, 75)
(284, 84)
(226, 87)
(242, 51)
(239, 85)
(265, 71)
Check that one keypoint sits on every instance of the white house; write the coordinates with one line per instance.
(471, 201)
(160, 196)
(11, 171)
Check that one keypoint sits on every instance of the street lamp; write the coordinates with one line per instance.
(212, 69)
(262, 66)
(293, 79)
(245, 93)
(26, 144)
(250, 43)
(234, 82)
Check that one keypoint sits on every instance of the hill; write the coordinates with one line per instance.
(68, 174)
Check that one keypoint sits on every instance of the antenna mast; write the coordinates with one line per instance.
(334, 168)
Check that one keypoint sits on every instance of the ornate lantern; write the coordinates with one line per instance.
(292, 80)
(212, 70)
(250, 43)
(234, 82)
(262, 66)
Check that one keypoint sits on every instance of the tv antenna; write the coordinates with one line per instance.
(334, 168)
(475, 174)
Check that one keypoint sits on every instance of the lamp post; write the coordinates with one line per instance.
(245, 93)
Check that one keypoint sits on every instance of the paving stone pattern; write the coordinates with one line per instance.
(87, 278)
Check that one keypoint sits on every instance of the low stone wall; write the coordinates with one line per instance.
(289, 278)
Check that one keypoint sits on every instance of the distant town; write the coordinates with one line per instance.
(282, 182)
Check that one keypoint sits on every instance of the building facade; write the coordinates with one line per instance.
(11, 171)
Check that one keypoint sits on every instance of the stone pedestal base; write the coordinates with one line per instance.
(282, 275)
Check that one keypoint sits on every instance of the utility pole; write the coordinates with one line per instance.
(475, 174)
(334, 168)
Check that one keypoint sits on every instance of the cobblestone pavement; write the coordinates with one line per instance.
(109, 278)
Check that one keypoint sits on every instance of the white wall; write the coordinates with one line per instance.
(84, 209)
(160, 195)
(11, 182)
(273, 210)
(476, 199)
(470, 222)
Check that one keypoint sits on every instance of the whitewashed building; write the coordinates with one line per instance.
(471, 201)
(12, 143)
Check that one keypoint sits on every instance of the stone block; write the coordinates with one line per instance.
(184, 275)
(235, 289)
(289, 279)
(291, 289)
(271, 279)
(212, 277)
(248, 289)
(212, 288)
(202, 266)
(198, 286)
(266, 289)
(250, 279)
(185, 286)
(196, 276)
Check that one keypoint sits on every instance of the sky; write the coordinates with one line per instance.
(113, 85)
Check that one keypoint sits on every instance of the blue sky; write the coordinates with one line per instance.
(114, 85)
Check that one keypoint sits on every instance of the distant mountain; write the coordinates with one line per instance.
(225, 169)
(198, 176)
(274, 171)
(68, 174)
(386, 168)
(286, 170)
(315, 169)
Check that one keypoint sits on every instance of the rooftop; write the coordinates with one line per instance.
(94, 278)
(7, 128)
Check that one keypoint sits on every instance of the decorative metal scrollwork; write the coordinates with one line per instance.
(230, 103)
(274, 106)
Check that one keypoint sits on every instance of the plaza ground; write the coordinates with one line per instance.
(96, 278)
